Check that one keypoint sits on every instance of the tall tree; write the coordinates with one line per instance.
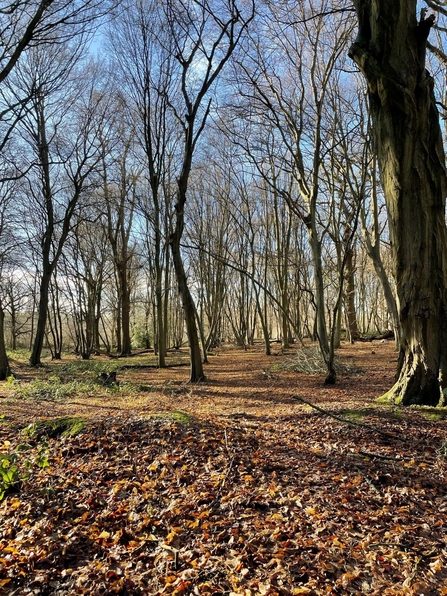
(61, 132)
(204, 35)
(8, 243)
(286, 82)
(390, 51)
(145, 72)
(120, 207)
(29, 24)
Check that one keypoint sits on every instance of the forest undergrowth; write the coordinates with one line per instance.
(232, 486)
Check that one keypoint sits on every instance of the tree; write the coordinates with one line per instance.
(390, 51)
(204, 35)
(29, 24)
(285, 81)
(145, 72)
(8, 242)
(119, 206)
(25, 23)
(85, 265)
(61, 132)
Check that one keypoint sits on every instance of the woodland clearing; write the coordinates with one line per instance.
(231, 486)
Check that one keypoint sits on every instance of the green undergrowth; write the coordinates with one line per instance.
(59, 389)
(92, 367)
(17, 464)
(51, 389)
(66, 426)
(430, 413)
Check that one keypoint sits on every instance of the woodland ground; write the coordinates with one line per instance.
(227, 487)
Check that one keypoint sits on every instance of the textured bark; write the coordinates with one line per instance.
(124, 295)
(390, 51)
(48, 265)
(321, 324)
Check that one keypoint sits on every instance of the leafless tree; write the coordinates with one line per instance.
(61, 133)
(409, 146)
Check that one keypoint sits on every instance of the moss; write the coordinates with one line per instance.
(390, 397)
(175, 415)
(354, 414)
(179, 416)
(66, 426)
(433, 414)
(360, 414)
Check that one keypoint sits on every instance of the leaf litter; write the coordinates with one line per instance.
(274, 500)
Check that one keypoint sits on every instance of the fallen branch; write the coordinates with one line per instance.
(350, 422)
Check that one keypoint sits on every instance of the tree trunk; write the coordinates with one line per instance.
(126, 344)
(320, 327)
(42, 318)
(189, 312)
(4, 364)
(159, 305)
(390, 51)
(353, 331)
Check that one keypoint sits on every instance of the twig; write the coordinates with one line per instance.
(231, 460)
(377, 456)
(230, 466)
(350, 422)
(173, 550)
(415, 570)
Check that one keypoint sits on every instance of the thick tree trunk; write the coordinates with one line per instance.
(161, 333)
(189, 309)
(390, 51)
(320, 315)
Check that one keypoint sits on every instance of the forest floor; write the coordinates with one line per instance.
(231, 486)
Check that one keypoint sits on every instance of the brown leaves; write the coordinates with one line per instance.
(248, 504)
(152, 515)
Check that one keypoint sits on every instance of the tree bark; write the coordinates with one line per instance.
(390, 51)
(4, 363)
(42, 317)
(351, 314)
(189, 310)
(124, 290)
